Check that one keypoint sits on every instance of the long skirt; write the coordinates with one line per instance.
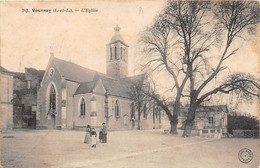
(87, 138)
(93, 140)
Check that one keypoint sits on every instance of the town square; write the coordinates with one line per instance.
(130, 84)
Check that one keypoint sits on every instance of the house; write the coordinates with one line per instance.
(24, 93)
(7, 82)
(207, 117)
(72, 96)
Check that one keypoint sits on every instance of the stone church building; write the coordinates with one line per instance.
(72, 96)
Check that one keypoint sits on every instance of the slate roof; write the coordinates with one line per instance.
(206, 109)
(74, 72)
(18, 75)
(88, 79)
(216, 108)
(38, 73)
(115, 87)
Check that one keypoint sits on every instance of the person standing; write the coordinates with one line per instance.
(104, 133)
(93, 138)
(100, 136)
(87, 136)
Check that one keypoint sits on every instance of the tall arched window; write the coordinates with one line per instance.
(117, 112)
(145, 112)
(52, 98)
(121, 54)
(111, 55)
(82, 107)
(115, 53)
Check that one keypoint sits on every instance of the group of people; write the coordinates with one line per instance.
(91, 135)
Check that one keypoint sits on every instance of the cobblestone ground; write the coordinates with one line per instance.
(125, 149)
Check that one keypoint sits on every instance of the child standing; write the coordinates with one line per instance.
(93, 138)
(100, 136)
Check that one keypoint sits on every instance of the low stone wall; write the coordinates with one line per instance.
(246, 133)
(211, 133)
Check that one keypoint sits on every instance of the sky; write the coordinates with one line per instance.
(81, 37)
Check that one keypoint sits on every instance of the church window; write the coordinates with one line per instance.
(52, 98)
(82, 107)
(51, 72)
(211, 120)
(28, 84)
(117, 112)
(93, 104)
(121, 55)
(144, 112)
(124, 54)
(111, 55)
(115, 53)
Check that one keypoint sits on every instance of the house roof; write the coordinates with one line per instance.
(207, 109)
(18, 75)
(114, 87)
(216, 108)
(37, 73)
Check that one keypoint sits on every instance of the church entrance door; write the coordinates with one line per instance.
(53, 121)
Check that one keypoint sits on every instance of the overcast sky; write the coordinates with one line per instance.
(81, 37)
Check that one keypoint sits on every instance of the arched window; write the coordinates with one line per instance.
(145, 112)
(111, 55)
(125, 57)
(121, 54)
(117, 112)
(115, 53)
(82, 107)
(52, 98)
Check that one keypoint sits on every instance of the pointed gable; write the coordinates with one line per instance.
(99, 88)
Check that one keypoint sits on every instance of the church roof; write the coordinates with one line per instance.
(115, 87)
(88, 79)
(73, 71)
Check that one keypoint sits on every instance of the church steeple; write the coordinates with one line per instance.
(117, 56)
(117, 29)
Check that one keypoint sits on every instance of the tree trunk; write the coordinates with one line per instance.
(139, 117)
(153, 116)
(160, 120)
(193, 104)
(190, 121)
(187, 128)
(173, 127)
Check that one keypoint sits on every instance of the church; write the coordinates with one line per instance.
(72, 96)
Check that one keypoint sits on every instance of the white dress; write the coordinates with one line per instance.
(93, 140)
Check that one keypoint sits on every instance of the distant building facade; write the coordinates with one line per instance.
(6, 100)
(72, 96)
(24, 96)
(207, 117)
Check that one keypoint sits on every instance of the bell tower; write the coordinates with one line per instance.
(117, 56)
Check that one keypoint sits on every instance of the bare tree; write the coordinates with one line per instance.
(191, 22)
(193, 29)
(158, 42)
(136, 92)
